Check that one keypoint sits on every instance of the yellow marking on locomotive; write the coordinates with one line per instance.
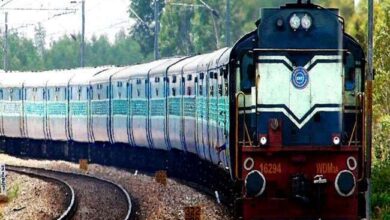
(271, 168)
(326, 168)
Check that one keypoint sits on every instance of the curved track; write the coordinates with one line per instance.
(71, 201)
(92, 197)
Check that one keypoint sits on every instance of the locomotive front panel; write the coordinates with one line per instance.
(293, 140)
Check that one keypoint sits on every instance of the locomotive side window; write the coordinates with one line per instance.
(248, 74)
(350, 80)
(349, 73)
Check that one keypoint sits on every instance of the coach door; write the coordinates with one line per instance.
(201, 94)
(222, 123)
(213, 114)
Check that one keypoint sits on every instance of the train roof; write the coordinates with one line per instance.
(178, 67)
(13, 79)
(224, 59)
(84, 76)
(107, 74)
(37, 79)
(137, 70)
(161, 69)
(60, 78)
(216, 58)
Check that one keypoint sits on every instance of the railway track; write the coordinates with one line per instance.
(91, 197)
(69, 204)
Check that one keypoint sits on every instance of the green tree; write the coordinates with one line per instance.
(98, 52)
(63, 54)
(126, 51)
(40, 38)
(143, 31)
(22, 54)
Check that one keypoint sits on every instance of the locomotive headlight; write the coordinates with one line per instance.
(336, 139)
(345, 183)
(306, 22)
(255, 183)
(295, 22)
(263, 140)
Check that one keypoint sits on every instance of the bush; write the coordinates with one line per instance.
(381, 191)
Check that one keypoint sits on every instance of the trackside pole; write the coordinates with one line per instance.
(369, 79)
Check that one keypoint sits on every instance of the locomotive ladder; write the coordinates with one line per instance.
(240, 143)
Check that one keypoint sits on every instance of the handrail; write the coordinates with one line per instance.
(256, 100)
(362, 101)
(354, 130)
(240, 93)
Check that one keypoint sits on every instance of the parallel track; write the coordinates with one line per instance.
(89, 194)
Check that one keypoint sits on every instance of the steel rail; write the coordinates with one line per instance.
(71, 208)
(120, 187)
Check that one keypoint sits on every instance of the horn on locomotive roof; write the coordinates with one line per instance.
(300, 2)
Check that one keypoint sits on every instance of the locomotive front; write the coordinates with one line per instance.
(299, 116)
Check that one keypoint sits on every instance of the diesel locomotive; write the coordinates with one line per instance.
(281, 113)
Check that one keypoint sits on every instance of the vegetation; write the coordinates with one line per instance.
(24, 54)
(13, 192)
(193, 30)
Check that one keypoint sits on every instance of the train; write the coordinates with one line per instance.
(281, 113)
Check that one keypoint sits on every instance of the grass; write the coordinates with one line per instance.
(14, 191)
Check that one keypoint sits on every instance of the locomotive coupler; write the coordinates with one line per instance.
(300, 189)
(319, 184)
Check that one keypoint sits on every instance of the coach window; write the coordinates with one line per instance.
(147, 92)
(211, 91)
(57, 92)
(119, 86)
(173, 91)
(79, 92)
(248, 73)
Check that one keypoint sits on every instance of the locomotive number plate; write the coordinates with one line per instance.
(271, 168)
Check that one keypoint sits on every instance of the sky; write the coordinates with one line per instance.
(102, 17)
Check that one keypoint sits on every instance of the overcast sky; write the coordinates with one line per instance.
(102, 17)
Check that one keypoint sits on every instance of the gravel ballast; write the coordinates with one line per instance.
(31, 198)
(150, 199)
